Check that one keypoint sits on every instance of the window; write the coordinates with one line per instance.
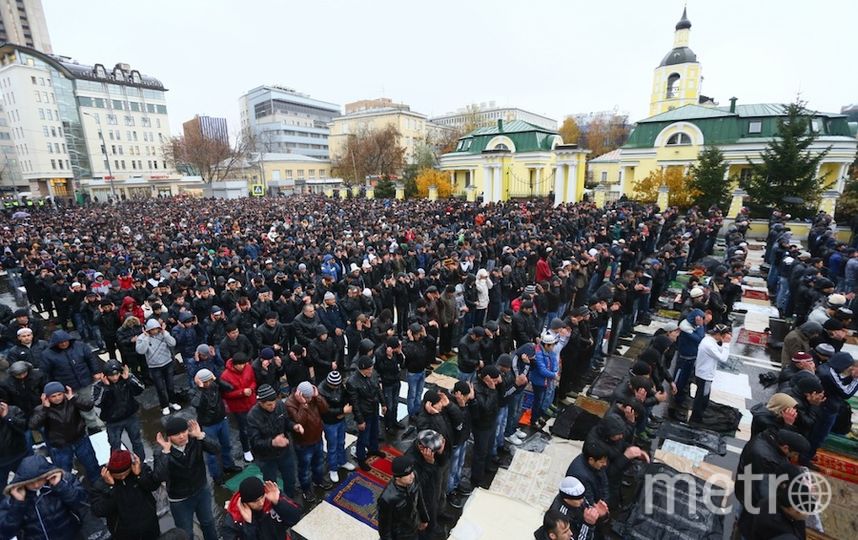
(755, 126)
(38, 97)
(814, 126)
(149, 162)
(301, 173)
(155, 163)
(117, 104)
(289, 173)
(129, 120)
(111, 119)
(135, 107)
(57, 148)
(672, 85)
(53, 132)
(128, 135)
(311, 174)
(45, 130)
(50, 148)
(113, 149)
(54, 164)
(133, 164)
(33, 79)
(604, 176)
(64, 148)
(41, 114)
(323, 173)
(146, 122)
(678, 139)
(123, 163)
(116, 164)
(111, 134)
(60, 131)
(98, 102)
(60, 164)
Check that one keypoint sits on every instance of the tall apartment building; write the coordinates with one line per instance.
(282, 120)
(82, 127)
(488, 114)
(23, 22)
(209, 127)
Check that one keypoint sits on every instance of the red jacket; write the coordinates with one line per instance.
(235, 399)
(543, 271)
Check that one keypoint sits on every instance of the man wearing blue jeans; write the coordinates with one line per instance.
(364, 390)
(61, 415)
(460, 418)
(181, 465)
(305, 407)
(114, 395)
(419, 354)
(211, 415)
(334, 424)
(268, 428)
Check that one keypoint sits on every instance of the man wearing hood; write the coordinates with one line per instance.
(42, 502)
(692, 330)
(72, 364)
(798, 340)
(258, 511)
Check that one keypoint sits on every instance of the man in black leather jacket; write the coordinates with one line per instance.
(401, 509)
(211, 415)
(365, 396)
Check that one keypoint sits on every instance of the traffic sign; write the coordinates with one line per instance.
(257, 190)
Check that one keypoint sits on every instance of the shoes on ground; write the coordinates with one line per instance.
(165, 411)
(310, 497)
(349, 466)
(248, 457)
(325, 484)
(232, 469)
(175, 406)
(334, 476)
(513, 440)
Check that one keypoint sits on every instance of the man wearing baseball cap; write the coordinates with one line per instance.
(259, 511)
(402, 512)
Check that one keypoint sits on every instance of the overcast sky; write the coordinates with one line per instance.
(549, 57)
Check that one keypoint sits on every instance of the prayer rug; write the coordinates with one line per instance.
(755, 295)
(749, 337)
(837, 465)
(449, 368)
(324, 518)
(357, 497)
(381, 468)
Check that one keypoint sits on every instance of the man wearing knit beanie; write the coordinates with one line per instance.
(123, 496)
(259, 510)
(305, 407)
(269, 427)
(334, 423)
(778, 412)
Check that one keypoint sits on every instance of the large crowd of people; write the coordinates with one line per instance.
(297, 319)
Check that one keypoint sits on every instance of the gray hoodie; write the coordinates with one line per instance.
(158, 348)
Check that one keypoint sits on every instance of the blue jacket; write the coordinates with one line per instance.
(332, 317)
(48, 514)
(690, 335)
(74, 366)
(188, 339)
(544, 368)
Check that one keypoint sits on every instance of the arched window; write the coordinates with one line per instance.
(678, 139)
(672, 85)
(501, 146)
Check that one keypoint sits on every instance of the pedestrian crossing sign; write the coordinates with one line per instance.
(257, 190)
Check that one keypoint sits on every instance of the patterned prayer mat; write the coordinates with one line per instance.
(381, 468)
(357, 497)
(749, 337)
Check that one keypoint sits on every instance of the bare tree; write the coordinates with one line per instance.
(212, 159)
(371, 152)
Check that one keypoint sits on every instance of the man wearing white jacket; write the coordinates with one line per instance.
(484, 283)
(713, 348)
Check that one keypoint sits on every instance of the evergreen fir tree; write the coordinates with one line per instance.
(707, 179)
(788, 169)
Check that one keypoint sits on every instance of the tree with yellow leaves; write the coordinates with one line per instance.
(433, 177)
(681, 194)
(569, 131)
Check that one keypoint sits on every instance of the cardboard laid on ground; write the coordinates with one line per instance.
(325, 518)
(705, 471)
(756, 322)
(101, 447)
(489, 516)
(727, 398)
(838, 519)
(441, 380)
(736, 384)
(851, 349)
(530, 464)
(561, 452)
(767, 310)
(527, 489)
(693, 454)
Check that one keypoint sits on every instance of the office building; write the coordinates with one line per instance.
(22, 22)
(281, 120)
(209, 127)
(83, 128)
(487, 115)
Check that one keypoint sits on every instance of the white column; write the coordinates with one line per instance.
(572, 183)
(841, 177)
(537, 184)
(559, 170)
(496, 184)
(487, 183)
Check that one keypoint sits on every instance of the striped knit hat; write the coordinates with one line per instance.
(334, 378)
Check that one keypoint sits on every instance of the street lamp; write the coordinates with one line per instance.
(104, 151)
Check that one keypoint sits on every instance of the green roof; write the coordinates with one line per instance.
(720, 126)
(525, 136)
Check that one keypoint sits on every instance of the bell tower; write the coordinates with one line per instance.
(676, 80)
